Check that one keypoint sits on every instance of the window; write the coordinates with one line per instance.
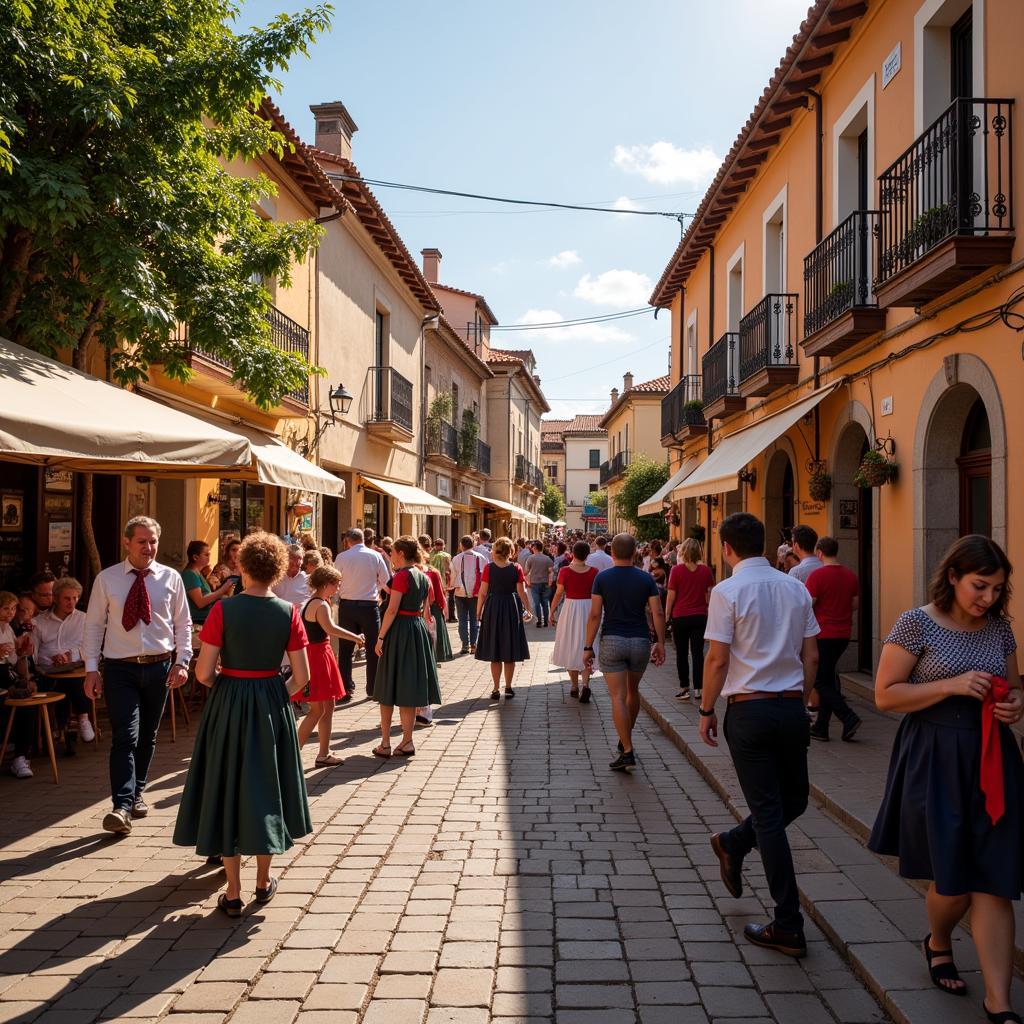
(775, 245)
(593, 487)
(692, 366)
(552, 470)
(595, 458)
(734, 293)
(380, 338)
(949, 55)
(975, 466)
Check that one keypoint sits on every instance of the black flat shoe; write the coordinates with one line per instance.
(215, 861)
(821, 737)
(943, 972)
(849, 731)
(233, 908)
(495, 695)
(623, 761)
(769, 937)
(509, 694)
(585, 695)
(266, 895)
(575, 694)
(1002, 1016)
(731, 868)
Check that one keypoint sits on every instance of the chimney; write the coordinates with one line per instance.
(615, 395)
(334, 128)
(627, 381)
(536, 380)
(431, 265)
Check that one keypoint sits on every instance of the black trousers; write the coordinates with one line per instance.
(768, 741)
(76, 702)
(359, 617)
(830, 697)
(688, 636)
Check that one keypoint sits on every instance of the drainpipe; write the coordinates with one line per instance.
(818, 226)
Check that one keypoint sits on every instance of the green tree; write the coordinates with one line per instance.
(642, 479)
(552, 504)
(118, 218)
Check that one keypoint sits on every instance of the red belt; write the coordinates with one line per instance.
(247, 673)
(410, 615)
(739, 698)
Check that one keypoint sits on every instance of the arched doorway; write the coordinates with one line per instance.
(779, 499)
(975, 466)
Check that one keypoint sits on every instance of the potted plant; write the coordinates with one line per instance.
(875, 470)
(440, 411)
(468, 437)
(693, 412)
(819, 486)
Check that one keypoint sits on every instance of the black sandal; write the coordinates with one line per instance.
(1002, 1016)
(509, 693)
(233, 908)
(585, 695)
(495, 695)
(575, 694)
(266, 895)
(943, 972)
(215, 861)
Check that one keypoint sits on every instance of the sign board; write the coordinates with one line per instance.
(59, 538)
(444, 486)
(849, 512)
(892, 64)
(812, 508)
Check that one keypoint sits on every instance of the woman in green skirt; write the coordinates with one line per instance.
(406, 673)
(245, 793)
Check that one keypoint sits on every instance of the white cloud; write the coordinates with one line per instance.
(567, 410)
(625, 203)
(622, 289)
(666, 164)
(593, 333)
(566, 258)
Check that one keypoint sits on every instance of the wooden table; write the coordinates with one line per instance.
(42, 701)
(80, 673)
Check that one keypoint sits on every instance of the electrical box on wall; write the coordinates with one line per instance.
(886, 408)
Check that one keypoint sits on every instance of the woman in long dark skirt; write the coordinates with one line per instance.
(951, 667)
(502, 608)
(245, 793)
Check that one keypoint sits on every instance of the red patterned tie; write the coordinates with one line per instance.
(136, 605)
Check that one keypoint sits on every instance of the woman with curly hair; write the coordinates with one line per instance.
(245, 794)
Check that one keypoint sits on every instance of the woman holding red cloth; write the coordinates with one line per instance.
(946, 666)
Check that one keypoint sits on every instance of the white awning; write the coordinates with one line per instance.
(717, 473)
(654, 503)
(413, 500)
(503, 506)
(544, 521)
(276, 464)
(561, 522)
(54, 415)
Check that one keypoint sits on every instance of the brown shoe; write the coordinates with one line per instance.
(139, 808)
(730, 867)
(118, 821)
(769, 936)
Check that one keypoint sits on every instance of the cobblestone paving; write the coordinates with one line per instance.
(503, 874)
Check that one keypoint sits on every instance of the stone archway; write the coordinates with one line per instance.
(943, 415)
(780, 492)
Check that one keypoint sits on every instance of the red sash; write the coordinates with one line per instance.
(991, 751)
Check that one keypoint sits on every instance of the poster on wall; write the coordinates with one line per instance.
(12, 512)
(59, 538)
(306, 523)
(56, 479)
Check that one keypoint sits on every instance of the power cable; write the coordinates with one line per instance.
(580, 321)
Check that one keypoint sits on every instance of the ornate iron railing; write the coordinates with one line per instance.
(682, 406)
(768, 335)
(837, 272)
(954, 180)
(442, 439)
(529, 474)
(483, 458)
(390, 397)
(614, 467)
(720, 369)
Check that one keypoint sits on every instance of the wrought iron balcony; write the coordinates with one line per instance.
(442, 440)
(614, 467)
(682, 410)
(768, 357)
(387, 404)
(946, 204)
(840, 307)
(483, 458)
(528, 474)
(720, 378)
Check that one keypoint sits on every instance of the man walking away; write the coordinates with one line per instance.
(625, 595)
(483, 546)
(466, 575)
(805, 541)
(763, 658)
(834, 593)
(138, 618)
(364, 574)
(599, 557)
(539, 569)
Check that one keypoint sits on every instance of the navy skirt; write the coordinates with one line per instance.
(933, 814)
(502, 634)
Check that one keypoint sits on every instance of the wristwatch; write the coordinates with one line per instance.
(588, 649)
(705, 714)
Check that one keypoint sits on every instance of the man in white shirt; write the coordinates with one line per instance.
(762, 657)
(59, 632)
(599, 558)
(465, 575)
(294, 584)
(138, 619)
(483, 546)
(804, 542)
(364, 574)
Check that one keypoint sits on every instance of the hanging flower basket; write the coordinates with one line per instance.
(820, 486)
(875, 471)
(697, 532)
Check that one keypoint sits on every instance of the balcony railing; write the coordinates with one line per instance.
(483, 458)
(682, 407)
(614, 467)
(720, 369)
(837, 273)
(955, 180)
(529, 474)
(390, 397)
(768, 335)
(443, 440)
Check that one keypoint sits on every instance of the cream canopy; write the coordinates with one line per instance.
(503, 506)
(413, 500)
(654, 503)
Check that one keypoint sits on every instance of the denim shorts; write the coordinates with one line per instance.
(625, 653)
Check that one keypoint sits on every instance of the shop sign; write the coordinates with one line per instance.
(56, 479)
(812, 508)
(849, 512)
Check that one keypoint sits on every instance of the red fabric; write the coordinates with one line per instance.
(250, 673)
(409, 614)
(691, 587)
(212, 632)
(136, 605)
(297, 639)
(577, 585)
(487, 573)
(324, 675)
(400, 582)
(991, 750)
(436, 586)
(833, 588)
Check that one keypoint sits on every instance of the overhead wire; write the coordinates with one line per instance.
(578, 322)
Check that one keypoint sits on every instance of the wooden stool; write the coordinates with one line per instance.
(177, 693)
(79, 673)
(42, 702)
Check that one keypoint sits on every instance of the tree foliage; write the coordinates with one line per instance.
(643, 477)
(552, 504)
(118, 217)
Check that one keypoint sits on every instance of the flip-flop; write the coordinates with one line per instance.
(266, 895)
(328, 762)
(233, 908)
(405, 750)
(382, 751)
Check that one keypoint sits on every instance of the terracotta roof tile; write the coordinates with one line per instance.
(585, 423)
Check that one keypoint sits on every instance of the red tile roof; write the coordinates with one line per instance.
(499, 357)
(585, 423)
(481, 301)
(658, 386)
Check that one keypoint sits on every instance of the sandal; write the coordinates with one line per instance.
(384, 750)
(509, 693)
(495, 695)
(266, 895)
(405, 749)
(215, 861)
(1001, 1016)
(328, 762)
(942, 972)
(585, 695)
(233, 908)
(575, 694)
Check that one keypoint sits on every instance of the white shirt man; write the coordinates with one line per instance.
(58, 637)
(483, 546)
(466, 571)
(294, 584)
(804, 541)
(363, 573)
(599, 558)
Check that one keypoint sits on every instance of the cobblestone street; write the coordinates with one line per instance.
(501, 874)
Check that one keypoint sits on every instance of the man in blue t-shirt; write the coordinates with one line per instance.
(625, 596)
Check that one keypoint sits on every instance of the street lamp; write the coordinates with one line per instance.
(340, 401)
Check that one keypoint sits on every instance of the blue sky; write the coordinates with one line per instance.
(571, 101)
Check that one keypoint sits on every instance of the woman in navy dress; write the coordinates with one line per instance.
(938, 665)
(502, 607)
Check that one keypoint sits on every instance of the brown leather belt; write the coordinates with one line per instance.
(739, 698)
(142, 659)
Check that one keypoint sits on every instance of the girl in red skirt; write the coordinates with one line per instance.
(325, 683)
